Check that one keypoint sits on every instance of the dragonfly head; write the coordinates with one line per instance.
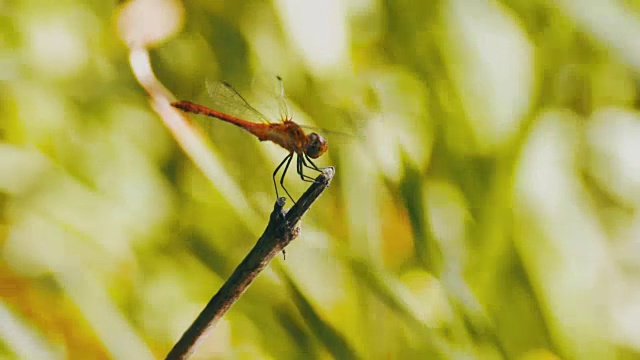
(316, 146)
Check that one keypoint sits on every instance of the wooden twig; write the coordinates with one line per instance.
(281, 230)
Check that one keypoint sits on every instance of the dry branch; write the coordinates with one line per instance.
(281, 230)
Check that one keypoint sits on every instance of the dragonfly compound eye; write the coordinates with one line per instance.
(317, 146)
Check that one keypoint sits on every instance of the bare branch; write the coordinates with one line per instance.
(280, 231)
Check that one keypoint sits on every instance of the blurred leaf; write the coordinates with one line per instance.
(332, 340)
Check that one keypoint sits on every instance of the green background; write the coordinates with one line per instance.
(485, 204)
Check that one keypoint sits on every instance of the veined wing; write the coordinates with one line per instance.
(352, 128)
(225, 98)
(282, 100)
(271, 95)
(333, 135)
(337, 139)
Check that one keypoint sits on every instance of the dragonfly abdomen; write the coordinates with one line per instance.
(286, 134)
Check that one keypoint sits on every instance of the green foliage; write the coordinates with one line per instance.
(485, 208)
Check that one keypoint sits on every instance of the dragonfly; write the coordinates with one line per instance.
(286, 133)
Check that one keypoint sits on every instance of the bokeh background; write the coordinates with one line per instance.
(485, 204)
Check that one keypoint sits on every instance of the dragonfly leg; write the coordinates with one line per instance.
(284, 172)
(288, 157)
(313, 166)
(300, 171)
(304, 163)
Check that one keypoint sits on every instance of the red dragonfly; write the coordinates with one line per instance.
(286, 133)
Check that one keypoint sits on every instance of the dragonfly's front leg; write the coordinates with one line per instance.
(300, 162)
(313, 166)
(284, 172)
(287, 160)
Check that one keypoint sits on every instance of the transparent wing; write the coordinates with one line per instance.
(282, 100)
(337, 137)
(346, 127)
(271, 94)
(226, 99)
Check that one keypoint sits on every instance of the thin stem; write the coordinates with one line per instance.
(281, 230)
